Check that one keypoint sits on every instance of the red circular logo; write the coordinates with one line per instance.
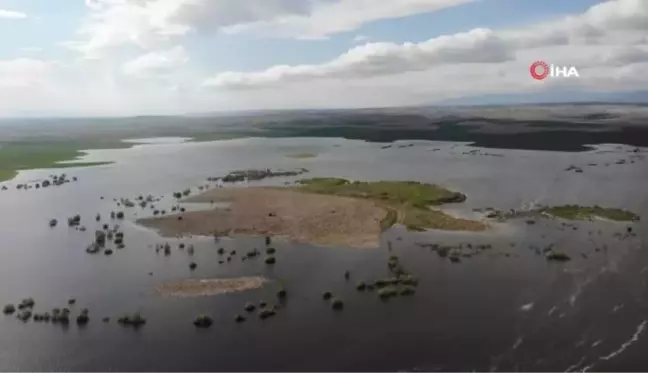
(539, 65)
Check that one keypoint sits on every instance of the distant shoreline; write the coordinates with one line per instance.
(41, 143)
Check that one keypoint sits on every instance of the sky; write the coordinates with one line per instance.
(156, 57)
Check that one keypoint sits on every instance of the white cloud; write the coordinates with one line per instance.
(156, 63)
(376, 59)
(115, 23)
(360, 38)
(330, 17)
(606, 25)
(608, 43)
(95, 88)
(23, 72)
(621, 56)
(144, 23)
(11, 14)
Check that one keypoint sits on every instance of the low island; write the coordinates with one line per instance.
(576, 212)
(322, 211)
(567, 212)
(208, 287)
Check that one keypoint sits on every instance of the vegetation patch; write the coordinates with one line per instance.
(135, 320)
(420, 219)
(83, 318)
(256, 175)
(568, 212)
(409, 193)
(337, 304)
(388, 292)
(576, 212)
(203, 321)
(557, 256)
(407, 202)
(265, 313)
(401, 283)
(9, 309)
(14, 158)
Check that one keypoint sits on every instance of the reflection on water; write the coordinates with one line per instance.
(505, 309)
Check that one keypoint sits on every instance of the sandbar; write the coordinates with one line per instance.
(208, 287)
(301, 217)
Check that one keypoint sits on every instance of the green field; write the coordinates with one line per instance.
(16, 157)
(407, 193)
(408, 202)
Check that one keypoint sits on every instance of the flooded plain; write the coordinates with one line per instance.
(506, 308)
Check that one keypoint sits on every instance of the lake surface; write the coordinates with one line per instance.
(506, 309)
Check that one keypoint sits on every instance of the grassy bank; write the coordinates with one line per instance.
(47, 150)
(405, 193)
(576, 212)
(301, 155)
(17, 157)
(408, 202)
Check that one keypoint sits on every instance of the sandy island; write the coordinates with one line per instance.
(302, 217)
(310, 214)
(207, 287)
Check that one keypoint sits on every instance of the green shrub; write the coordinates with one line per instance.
(203, 321)
(337, 304)
(9, 309)
(135, 320)
(265, 313)
(554, 255)
(388, 292)
(407, 290)
(24, 315)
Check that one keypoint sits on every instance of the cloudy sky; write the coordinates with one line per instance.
(130, 57)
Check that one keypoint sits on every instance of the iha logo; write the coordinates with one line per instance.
(540, 70)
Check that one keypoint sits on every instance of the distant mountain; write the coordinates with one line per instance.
(550, 97)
